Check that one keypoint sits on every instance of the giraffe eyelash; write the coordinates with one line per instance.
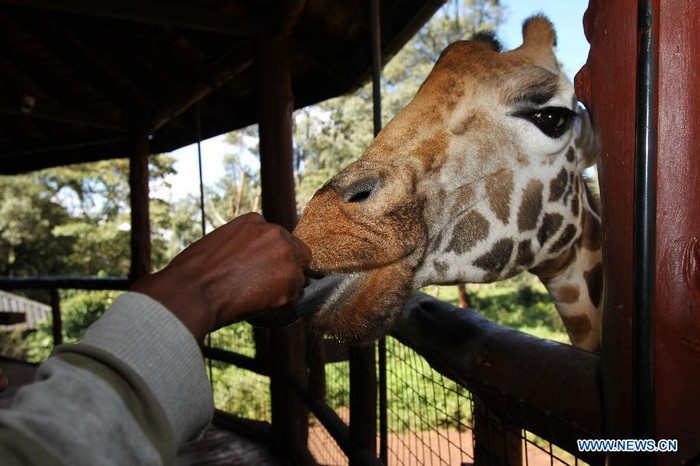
(552, 121)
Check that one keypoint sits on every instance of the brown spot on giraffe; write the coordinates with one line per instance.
(499, 189)
(464, 195)
(441, 267)
(551, 268)
(568, 293)
(566, 237)
(578, 327)
(569, 187)
(570, 154)
(530, 206)
(594, 280)
(525, 255)
(550, 225)
(558, 185)
(575, 206)
(494, 261)
(470, 230)
(431, 151)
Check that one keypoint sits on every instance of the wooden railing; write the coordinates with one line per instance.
(53, 284)
(544, 387)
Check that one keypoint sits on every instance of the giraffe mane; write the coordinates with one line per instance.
(488, 37)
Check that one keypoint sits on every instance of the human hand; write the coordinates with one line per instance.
(239, 271)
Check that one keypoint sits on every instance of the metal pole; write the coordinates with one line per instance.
(375, 27)
(203, 221)
(645, 226)
(198, 114)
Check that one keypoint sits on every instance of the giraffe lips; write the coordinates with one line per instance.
(320, 293)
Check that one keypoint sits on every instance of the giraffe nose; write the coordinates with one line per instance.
(361, 190)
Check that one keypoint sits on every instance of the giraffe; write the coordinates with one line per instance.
(477, 179)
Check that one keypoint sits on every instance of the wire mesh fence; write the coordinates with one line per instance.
(431, 421)
(236, 390)
(429, 416)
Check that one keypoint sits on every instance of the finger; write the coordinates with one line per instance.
(252, 217)
(302, 251)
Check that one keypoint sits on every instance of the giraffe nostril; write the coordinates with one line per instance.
(360, 196)
(361, 190)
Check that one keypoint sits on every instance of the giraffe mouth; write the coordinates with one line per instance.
(320, 294)
(355, 306)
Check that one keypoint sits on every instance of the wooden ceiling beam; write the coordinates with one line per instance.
(88, 65)
(47, 111)
(28, 150)
(195, 89)
(163, 14)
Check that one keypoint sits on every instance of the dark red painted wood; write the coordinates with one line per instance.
(607, 87)
(286, 345)
(677, 301)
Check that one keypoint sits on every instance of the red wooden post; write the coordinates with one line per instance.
(140, 220)
(607, 86)
(286, 351)
(677, 299)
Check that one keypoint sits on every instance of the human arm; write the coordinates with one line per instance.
(135, 387)
(263, 271)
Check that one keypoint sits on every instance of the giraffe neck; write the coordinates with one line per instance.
(575, 280)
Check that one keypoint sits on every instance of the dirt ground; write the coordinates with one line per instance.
(448, 447)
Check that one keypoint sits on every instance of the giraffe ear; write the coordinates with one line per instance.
(538, 31)
(539, 40)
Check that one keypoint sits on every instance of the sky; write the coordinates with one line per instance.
(572, 50)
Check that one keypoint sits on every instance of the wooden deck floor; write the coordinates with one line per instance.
(217, 447)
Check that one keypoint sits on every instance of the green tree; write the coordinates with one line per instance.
(29, 219)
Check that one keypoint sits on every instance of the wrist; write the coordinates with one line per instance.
(180, 299)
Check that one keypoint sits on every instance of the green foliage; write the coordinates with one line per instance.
(79, 309)
(521, 303)
(241, 392)
(29, 219)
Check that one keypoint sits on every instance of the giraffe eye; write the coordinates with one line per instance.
(552, 121)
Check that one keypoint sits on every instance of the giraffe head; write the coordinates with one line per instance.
(473, 181)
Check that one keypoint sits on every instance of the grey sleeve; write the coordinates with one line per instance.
(130, 392)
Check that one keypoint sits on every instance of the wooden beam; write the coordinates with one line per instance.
(23, 150)
(237, 22)
(202, 84)
(105, 78)
(275, 102)
(64, 282)
(50, 112)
